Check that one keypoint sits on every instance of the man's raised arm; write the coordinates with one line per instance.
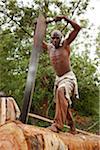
(45, 45)
(74, 32)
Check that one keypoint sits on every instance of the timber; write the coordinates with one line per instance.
(51, 121)
(9, 109)
(3, 111)
(15, 135)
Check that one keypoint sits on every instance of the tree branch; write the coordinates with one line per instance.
(92, 126)
(11, 18)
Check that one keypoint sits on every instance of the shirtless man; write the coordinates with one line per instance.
(65, 83)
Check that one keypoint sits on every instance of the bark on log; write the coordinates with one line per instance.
(18, 136)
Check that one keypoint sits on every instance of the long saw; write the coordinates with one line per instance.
(34, 59)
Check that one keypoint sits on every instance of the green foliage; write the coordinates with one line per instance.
(13, 64)
(87, 75)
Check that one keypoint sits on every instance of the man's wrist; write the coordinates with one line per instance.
(66, 18)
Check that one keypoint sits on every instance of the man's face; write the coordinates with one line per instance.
(55, 39)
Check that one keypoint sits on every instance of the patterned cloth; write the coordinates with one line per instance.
(69, 82)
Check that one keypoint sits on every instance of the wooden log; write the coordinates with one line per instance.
(3, 111)
(51, 121)
(9, 109)
(16, 135)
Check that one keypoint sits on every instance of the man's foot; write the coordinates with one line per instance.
(72, 128)
(73, 132)
(53, 128)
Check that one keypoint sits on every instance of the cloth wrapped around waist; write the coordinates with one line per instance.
(69, 82)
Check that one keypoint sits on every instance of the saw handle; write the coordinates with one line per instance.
(47, 21)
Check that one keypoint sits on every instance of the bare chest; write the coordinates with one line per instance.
(60, 60)
(58, 56)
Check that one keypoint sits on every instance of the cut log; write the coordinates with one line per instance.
(2, 111)
(51, 121)
(18, 136)
(9, 109)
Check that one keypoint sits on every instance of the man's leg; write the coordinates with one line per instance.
(71, 121)
(61, 110)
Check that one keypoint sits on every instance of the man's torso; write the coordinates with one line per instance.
(60, 59)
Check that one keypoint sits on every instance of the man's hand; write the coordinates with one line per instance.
(58, 18)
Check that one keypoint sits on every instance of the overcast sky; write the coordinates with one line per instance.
(94, 14)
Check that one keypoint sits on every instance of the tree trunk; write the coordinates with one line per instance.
(18, 136)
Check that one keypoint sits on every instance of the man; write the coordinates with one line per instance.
(65, 84)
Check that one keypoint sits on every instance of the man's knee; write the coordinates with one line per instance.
(61, 96)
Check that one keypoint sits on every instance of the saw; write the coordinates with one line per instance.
(34, 59)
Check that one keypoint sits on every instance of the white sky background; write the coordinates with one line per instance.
(94, 14)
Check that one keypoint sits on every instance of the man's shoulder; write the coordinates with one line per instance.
(66, 45)
(50, 45)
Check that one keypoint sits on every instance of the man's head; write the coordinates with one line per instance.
(56, 37)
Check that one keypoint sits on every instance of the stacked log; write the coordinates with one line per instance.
(15, 135)
(9, 109)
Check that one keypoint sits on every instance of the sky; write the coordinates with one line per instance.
(94, 14)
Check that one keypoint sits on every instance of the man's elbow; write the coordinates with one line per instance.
(78, 28)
